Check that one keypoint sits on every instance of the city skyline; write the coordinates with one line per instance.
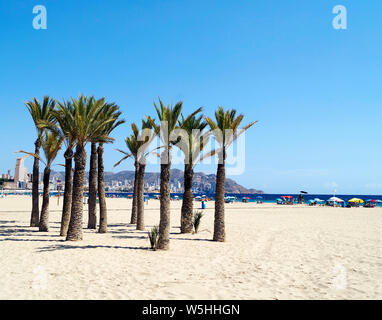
(118, 184)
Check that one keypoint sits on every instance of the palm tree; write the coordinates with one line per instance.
(109, 116)
(192, 145)
(38, 112)
(226, 131)
(87, 126)
(132, 144)
(65, 116)
(168, 117)
(51, 143)
(137, 143)
(92, 201)
(144, 140)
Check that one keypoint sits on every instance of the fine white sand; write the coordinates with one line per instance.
(271, 252)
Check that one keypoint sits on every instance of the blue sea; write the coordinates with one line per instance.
(268, 198)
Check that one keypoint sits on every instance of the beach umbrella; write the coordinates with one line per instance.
(304, 192)
(335, 199)
(356, 200)
(318, 200)
(246, 198)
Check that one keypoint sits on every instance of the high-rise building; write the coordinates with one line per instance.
(19, 170)
(21, 173)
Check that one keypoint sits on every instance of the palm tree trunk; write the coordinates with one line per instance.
(186, 224)
(141, 202)
(101, 192)
(164, 223)
(44, 220)
(135, 195)
(67, 193)
(92, 206)
(219, 228)
(35, 180)
(75, 225)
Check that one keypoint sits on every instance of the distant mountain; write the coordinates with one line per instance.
(204, 183)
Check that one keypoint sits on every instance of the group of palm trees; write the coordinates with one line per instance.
(84, 120)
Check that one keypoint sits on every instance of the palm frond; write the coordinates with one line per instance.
(31, 154)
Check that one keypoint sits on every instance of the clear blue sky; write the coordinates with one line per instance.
(316, 91)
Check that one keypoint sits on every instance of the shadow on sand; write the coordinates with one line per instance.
(65, 246)
(21, 231)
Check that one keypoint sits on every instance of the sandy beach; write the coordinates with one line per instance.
(271, 252)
